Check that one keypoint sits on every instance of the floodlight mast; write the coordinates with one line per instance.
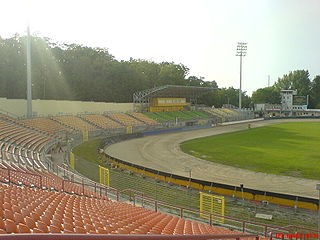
(241, 52)
(29, 82)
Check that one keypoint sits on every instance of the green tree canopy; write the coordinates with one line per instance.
(296, 80)
(266, 95)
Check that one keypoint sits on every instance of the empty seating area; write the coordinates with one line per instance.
(171, 116)
(125, 119)
(75, 123)
(34, 200)
(154, 116)
(20, 143)
(101, 121)
(26, 210)
(199, 113)
(215, 112)
(165, 116)
(144, 118)
(6, 117)
(40, 178)
(45, 124)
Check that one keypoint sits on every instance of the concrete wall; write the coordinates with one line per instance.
(17, 107)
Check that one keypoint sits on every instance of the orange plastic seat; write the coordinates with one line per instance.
(2, 225)
(22, 228)
(42, 226)
(54, 229)
(80, 230)
(10, 226)
(8, 214)
(102, 231)
(30, 222)
(19, 218)
(36, 230)
(68, 227)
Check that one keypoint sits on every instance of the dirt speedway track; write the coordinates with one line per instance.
(162, 152)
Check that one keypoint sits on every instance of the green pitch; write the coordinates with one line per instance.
(291, 149)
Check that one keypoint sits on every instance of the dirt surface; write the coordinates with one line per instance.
(162, 152)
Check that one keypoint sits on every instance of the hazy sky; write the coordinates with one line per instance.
(282, 35)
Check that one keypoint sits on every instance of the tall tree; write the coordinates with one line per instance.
(266, 95)
(296, 80)
(315, 93)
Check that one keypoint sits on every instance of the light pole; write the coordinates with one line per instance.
(29, 81)
(241, 52)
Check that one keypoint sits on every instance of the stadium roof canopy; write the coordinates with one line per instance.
(171, 91)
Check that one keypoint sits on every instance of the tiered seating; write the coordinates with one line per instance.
(216, 112)
(6, 117)
(170, 116)
(18, 140)
(101, 121)
(165, 116)
(180, 115)
(230, 112)
(45, 124)
(75, 123)
(201, 114)
(43, 179)
(26, 210)
(125, 119)
(154, 116)
(144, 118)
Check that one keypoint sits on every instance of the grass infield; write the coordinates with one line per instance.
(291, 149)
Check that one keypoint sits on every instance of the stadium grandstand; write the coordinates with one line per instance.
(168, 98)
(41, 195)
(101, 121)
(75, 123)
(36, 199)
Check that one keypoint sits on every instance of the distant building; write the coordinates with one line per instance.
(290, 101)
(291, 105)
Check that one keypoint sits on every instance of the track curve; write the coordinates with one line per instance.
(162, 152)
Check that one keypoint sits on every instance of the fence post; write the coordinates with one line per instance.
(62, 184)
(40, 182)
(210, 219)
(117, 196)
(95, 187)
(181, 212)
(156, 206)
(243, 226)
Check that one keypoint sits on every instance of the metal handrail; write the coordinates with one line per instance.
(137, 194)
(211, 215)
